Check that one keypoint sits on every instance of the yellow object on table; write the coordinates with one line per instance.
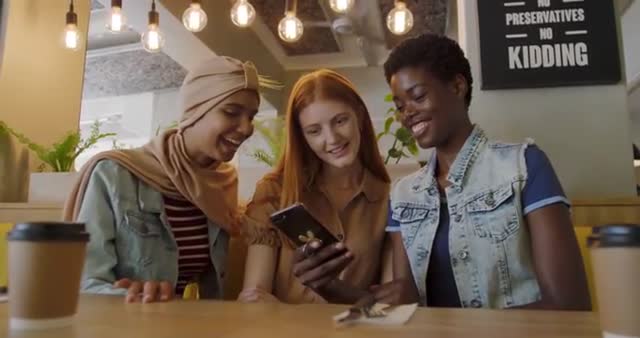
(4, 261)
(191, 292)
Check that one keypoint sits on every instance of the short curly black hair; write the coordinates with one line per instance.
(438, 54)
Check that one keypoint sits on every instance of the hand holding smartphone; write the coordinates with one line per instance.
(301, 227)
(318, 265)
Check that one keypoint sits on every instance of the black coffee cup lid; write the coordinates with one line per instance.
(615, 235)
(48, 231)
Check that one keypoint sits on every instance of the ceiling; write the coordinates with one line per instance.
(117, 65)
(319, 38)
(366, 42)
(130, 72)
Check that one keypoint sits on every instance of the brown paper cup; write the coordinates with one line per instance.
(45, 266)
(615, 252)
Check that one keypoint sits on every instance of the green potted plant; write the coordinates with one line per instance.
(55, 175)
(404, 145)
(273, 132)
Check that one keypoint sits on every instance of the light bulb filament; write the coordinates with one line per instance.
(71, 38)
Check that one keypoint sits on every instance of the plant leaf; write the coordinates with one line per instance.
(273, 132)
(394, 153)
(261, 156)
(413, 148)
(387, 124)
(404, 135)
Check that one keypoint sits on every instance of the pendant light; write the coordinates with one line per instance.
(341, 6)
(71, 34)
(400, 19)
(242, 13)
(153, 39)
(116, 19)
(290, 28)
(194, 18)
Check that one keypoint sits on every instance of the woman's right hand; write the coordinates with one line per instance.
(316, 266)
(146, 291)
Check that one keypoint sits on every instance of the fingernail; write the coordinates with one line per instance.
(146, 299)
(348, 254)
(315, 244)
(340, 245)
(164, 297)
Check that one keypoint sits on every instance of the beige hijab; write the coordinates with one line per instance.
(164, 163)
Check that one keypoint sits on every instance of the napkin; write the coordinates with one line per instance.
(391, 315)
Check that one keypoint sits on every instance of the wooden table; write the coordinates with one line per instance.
(109, 317)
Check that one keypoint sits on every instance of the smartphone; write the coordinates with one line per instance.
(300, 226)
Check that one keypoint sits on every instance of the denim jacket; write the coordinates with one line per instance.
(489, 240)
(131, 238)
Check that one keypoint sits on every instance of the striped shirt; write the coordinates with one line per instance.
(189, 227)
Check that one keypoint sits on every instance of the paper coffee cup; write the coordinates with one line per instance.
(45, 266)
(615, 254)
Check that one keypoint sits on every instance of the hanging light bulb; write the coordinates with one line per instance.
(341, 6)
(400, 19)
(243, 13)
(290, 28)
(194, 18)
(153, 39)
(116, 19)
(71, 35)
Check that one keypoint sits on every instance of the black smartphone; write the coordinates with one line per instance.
(300, 226)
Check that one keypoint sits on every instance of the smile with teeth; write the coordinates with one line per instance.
(419, 127)
(236, 143)
(338, 150)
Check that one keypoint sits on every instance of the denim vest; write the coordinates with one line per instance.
(489, 240)
(131, 237)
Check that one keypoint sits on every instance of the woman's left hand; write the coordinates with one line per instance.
(396, 292)
(146, 291)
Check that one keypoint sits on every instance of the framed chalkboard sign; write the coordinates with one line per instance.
(547, 43)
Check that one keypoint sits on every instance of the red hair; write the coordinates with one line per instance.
(299, 166)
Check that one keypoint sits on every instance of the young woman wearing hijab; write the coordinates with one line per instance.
(160, 216)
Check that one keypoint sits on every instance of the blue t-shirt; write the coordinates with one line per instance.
(542, 189)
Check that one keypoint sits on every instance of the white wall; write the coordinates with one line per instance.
(131, 117)
(584, 130)
(630, 24)
(165, 105)
(634, 109)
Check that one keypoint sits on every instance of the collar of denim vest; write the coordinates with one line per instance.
(458, 169)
